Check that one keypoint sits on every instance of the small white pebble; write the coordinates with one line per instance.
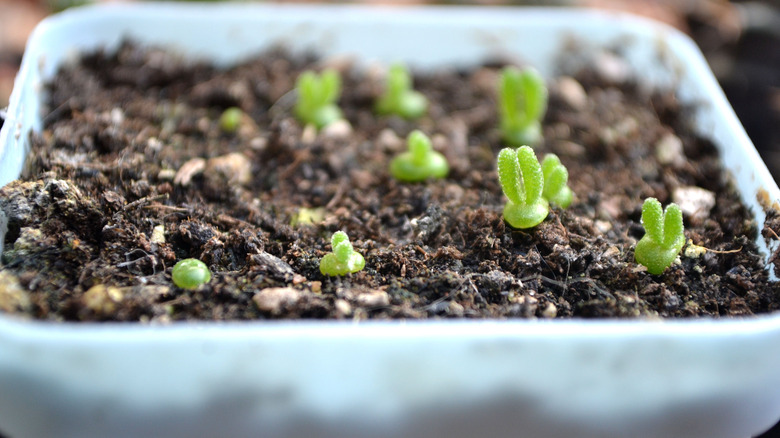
(610, 252)
(611, 208)
(453, 192)
(29, 239)
(455, 309)
(388, 140)
(188, 170)
(258, 143)
(13, 296)
(572, 93)
(153, 291)
(627, 127)
(102, 299)
(550, 311)
(234, 167)
(340, 129)
(602, 225)
(309, 134)
(695, 202)
(611, 67)
(166, 175)
(117, 116)
(341, 63)
(343, 308)
(362, 178)
(203, 124)
(669, 150)
(154, 144)
(158, 235)
(439, 142)
(374, 298)
(566, 148)
(274, 299)
(375, 72)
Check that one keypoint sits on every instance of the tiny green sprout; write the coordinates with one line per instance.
(420, 162)
(555, 178)
(317, 96)
(522, 181)
(663, 237)
(344, 259)
(523, 101)
(190, 274)
(230, 120)
(399, 98)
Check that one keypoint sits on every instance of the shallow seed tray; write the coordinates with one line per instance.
(595, 378)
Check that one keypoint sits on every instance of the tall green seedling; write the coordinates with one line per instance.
(399, 98)
(522, 181)
(522, 104)
(664, 237)
(317, 96)
(555, 179)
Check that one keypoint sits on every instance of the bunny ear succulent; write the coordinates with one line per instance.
(522, 181)
(399, 97)
(555, 178)
(663, 237)
(317, 96)
(522, 104)
(344, 259)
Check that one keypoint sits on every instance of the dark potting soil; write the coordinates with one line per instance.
(132, 144)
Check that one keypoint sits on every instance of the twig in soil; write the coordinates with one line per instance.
(232, 221)
(422, 251)
(731, 251)
(101, 167)
(300, 157)
(172, 208)
(284, 104)
(564, 285)
(338, 195)
(144, 200)
(536, 247)
(129, 263)
(55, 113)
(174, 301)
(435, 303)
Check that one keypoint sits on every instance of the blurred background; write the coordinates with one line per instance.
(740, 39)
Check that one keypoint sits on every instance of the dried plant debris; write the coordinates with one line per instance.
(135, 172)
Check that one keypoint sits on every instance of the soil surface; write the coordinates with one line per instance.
(132, 143)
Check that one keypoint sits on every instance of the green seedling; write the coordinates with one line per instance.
(344, 259)
(663, 237)
(230, 120)
(399, 98)
(190, 274)
(317, 96)
(555, 178)
(522, 181)
(523, 101)
(420, 162)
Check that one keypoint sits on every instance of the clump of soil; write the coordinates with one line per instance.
(132, 144)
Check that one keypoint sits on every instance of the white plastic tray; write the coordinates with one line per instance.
(694, 378)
